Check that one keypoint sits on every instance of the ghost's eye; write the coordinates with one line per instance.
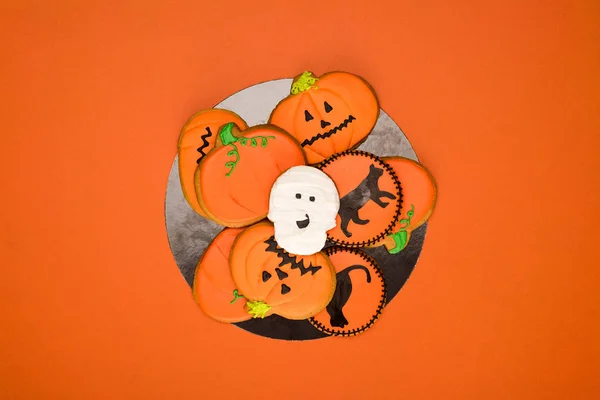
(312, 198)
(307, 116)
(327, 107)
(298, 196)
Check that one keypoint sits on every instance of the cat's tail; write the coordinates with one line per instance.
(358, 266)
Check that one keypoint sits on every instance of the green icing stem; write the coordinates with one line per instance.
(304, 82)
(401, 237)
(258, 308)
(400, 240)
(229, 139)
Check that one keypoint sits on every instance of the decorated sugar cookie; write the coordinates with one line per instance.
(214, 289)
(197, 138)
(359, 297)
(419, 196)
(234, 179)
(327, 114)
(303, 204)
(273, 281)
(370, 198)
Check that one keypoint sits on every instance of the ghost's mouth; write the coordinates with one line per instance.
(329, 133)
(304, 223)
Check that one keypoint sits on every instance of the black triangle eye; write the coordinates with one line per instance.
(328, 107)
(307, 116)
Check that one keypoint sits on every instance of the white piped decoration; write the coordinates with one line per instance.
(303, 205)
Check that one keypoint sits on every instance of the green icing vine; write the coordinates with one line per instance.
(401, 237)
(229, 139)
(236, 295)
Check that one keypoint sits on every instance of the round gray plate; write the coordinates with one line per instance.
(190, 234)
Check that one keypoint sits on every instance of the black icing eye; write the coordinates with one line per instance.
(307, 116)
(265, 276)
(328, 107)
(312, 198)
(298, 196)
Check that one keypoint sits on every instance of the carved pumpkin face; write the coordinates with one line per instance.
(197, 138)
(234, 180)
(329, 114)
(274, 281)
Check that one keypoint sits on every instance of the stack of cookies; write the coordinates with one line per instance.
(298, 202)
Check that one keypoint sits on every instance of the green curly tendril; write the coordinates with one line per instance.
(236, 295)
(229, 139)
(401, 237)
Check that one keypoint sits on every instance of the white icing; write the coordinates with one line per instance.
(286, 210)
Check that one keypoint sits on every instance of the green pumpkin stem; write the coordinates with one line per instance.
(400, 240)
(226, 134)
(401, 237)
(307, 80)
(258, 308)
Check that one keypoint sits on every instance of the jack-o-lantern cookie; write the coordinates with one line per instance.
(214, 289)
(327, 114)
(419, 194)
(370, 198)
(274, 281)
(303, 204)
(197, 138)
(234, 180)
(359, 297)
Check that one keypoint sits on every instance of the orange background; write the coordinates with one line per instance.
(500, 100)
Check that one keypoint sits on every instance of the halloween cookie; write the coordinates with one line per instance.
(233, 181)
(419, 194)
(303, 204)
(359, 297)
(327, 114)
(370, 198)
(197, 138)
(214, 289)
(274, 281)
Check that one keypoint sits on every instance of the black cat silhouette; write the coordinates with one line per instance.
(367, 190)
(343, 290)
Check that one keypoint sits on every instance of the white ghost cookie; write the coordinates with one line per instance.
(303, 205)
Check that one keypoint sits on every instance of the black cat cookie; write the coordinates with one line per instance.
(370, 198)
(359, 297)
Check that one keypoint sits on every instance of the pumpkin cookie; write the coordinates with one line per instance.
(274, 281)
(370, 198)
(327, 114)
(359, 297)
(214, 289)
(234, 179)
(419, 196)
(197, 138)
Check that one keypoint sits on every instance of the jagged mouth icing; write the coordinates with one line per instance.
(329, 133)
(304, 223)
